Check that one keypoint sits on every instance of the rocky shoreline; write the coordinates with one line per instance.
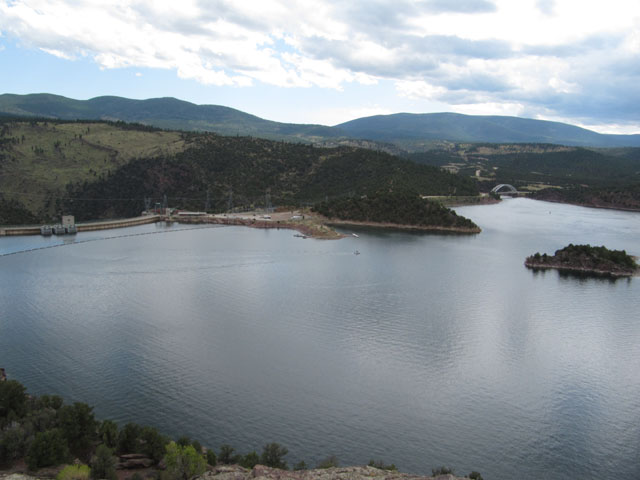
(576, 269)
(236, 472)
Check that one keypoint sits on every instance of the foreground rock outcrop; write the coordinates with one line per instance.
(235, 472)
(260, 472)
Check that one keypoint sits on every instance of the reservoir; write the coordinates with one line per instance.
(424, 350)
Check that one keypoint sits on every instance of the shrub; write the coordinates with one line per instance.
(272, 456)
(211, 458)
(301, 465)
(183, 462)
(12, 446)
(153, 443)
(442, 471)
(381, 465)
(250, 460)
(48, 448)
(330, 461)
(103, 465)
(183, 441)
(226, 454)
(78, 426)
(74, 472)
(197, 446)
(475, 476)
(12, 398)
(108, 433)
(128, 438)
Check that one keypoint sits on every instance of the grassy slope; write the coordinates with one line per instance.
(35, 167)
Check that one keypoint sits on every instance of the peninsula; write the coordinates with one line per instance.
(586, 259)
(395, 210)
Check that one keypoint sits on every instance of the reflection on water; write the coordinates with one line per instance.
(423, 350)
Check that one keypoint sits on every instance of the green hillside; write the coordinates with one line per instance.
(106, 169)
(243, 173)
(38, 159)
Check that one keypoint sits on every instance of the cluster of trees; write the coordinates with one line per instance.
(46, 432)
(391, 207)
(586, 257)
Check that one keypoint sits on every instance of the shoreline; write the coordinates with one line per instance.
(314, 226)
(566, 268)
(586, 205)
(400, 226)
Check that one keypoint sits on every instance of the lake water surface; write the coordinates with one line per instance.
(424, 350)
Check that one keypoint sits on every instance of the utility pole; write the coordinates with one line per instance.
(267, 202)
(230, 202)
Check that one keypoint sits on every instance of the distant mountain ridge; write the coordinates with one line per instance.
(408, 131)
(479, 129)
(168, 113)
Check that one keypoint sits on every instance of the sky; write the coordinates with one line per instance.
(330, 61)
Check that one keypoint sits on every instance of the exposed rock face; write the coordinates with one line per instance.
(235, 472)
(260, 472)
(132, 461)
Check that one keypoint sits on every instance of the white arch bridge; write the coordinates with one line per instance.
(504, 188)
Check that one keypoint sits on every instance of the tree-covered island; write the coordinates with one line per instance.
(586, 259)
(391, 209)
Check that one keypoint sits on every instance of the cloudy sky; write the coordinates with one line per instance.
(329, 61)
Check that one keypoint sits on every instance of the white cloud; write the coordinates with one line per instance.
(534, 56)
(419, 89)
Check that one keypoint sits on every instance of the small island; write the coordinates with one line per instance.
(586, 259)
(395, 210)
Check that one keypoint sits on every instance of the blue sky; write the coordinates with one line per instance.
(331, 61)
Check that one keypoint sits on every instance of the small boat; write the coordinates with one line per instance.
(355, 235)
(356, 252)
(59, 230)
(46, 230)
(71, 229)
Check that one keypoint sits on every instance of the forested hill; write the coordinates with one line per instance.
(168, 113)
(240, 172)
(411, 132)
(399, 208)
(414, 131)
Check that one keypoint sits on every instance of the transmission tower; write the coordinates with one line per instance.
(207, 205)
(230, 202)
(267, 202)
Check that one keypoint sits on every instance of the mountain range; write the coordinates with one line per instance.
(410, 132)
